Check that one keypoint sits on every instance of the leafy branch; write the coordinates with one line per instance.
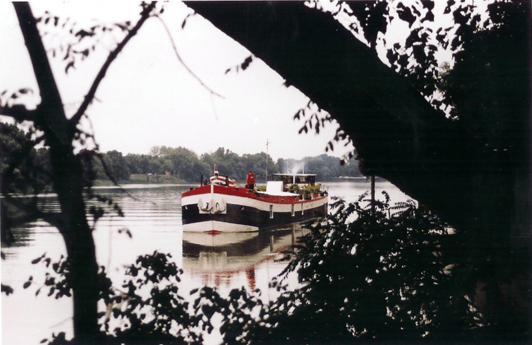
(145, 14)
(316, 119)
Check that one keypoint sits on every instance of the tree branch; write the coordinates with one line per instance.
(396, 132)
(18, 112)
(145, 14)
(183, 63)
(51, 115)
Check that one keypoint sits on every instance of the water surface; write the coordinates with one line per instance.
(153, 219)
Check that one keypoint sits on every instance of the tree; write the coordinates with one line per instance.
(117, 164)
(183, 161)
(462, 164)
(324, 172)
(60, 134)
(133, 163)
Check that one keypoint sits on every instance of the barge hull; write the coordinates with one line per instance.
(239, 214)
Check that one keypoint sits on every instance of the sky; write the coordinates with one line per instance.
(148, 98)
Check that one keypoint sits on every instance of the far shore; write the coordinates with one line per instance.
(143, 179)
(168, 179)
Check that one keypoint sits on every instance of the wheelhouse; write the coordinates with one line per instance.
(300, 179)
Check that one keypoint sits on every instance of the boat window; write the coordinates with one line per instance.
(271, 211)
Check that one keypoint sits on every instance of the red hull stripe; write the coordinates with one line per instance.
(246, 193)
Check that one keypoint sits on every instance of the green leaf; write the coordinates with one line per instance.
(7, 289)
(37, 260)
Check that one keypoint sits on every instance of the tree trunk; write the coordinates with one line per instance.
(83, 267)
(67, 176)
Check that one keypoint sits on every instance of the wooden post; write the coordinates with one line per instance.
(373, 195)
(293, 235)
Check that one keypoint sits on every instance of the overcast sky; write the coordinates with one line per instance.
(148, 98)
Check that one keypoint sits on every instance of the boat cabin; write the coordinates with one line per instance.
(299, 179)
(302, 184)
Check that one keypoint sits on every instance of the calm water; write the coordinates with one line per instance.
(153, 217)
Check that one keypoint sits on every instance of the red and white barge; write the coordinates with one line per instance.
(225, 206)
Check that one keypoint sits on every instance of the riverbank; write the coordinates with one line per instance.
(168, 179)
(143, 179)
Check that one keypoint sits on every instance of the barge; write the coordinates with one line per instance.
(225, 206)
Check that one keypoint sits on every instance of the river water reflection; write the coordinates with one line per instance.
(153, 219)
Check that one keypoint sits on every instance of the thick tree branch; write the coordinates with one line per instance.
(18, 112)
(145, 14)
(394, 129)
(51, 116)
(396, 133)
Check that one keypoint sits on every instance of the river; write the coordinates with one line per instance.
(153, 219)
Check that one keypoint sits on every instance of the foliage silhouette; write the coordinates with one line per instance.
(384, 276)
(397, 112)
(455, 137)
(484, 186)
(373, 272)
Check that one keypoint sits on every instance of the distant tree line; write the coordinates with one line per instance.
(179, 162)
(326, 167)
(187, 165)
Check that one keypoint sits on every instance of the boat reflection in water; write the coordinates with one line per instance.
(218, 258)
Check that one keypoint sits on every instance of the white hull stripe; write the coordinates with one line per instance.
(254, 203)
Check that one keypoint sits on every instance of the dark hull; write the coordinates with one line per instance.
(245, 215)
(229, 209)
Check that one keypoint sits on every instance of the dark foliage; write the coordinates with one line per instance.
(486, 160)
(24, 168)
(147, 309)
(491, 104)
(385, 276)
(162, 315)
